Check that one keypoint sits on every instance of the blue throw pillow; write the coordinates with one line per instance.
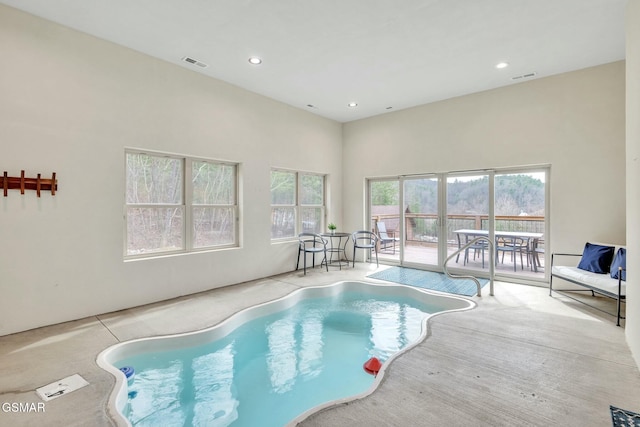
(596, 258)
(620, 260)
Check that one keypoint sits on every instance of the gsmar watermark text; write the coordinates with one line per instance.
(24, 407)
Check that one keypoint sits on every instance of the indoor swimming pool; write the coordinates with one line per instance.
(275, 363)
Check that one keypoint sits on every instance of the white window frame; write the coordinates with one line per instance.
(297, 206)
(187, 206)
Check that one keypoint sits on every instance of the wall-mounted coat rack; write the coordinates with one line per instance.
(38, 184)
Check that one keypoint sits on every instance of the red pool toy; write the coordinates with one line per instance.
(372, 366)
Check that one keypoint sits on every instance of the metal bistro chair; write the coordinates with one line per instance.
(312, 243)
(365, 240)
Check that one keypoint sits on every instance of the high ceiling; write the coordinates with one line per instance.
(384, 55)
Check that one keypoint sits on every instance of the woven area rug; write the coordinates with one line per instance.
(624, 418)
(428, 280)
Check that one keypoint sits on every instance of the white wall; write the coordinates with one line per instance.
(573, 121)
(71, 103)
(632, 327)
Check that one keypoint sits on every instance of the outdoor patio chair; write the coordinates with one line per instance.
(385, 239)
(478, 249)
(537, 249)
(365, 240)
(314, 244)
(515, 246)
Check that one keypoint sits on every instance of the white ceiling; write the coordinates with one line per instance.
(379, 53)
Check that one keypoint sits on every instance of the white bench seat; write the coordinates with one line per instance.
(602, 284)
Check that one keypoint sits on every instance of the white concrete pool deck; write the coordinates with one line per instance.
(520, 358)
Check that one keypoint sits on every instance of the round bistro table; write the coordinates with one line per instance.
(337, 247)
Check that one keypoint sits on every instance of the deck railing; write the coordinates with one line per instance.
(422, 228)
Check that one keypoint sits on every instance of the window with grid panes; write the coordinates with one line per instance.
(297, 203)
(167, 213)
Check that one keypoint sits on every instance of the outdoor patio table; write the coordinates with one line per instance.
(469, 234)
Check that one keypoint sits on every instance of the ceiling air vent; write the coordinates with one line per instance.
(524, 76)
(194, 62)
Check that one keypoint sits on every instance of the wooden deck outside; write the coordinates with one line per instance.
(421, 241)
(425, 253)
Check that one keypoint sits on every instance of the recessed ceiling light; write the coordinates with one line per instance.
(353, 104)
(254, 60)
(500, 65)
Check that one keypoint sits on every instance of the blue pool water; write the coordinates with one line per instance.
(273, 368)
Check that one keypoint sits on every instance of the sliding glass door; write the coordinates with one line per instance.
(420, 220)
(384, 209)
(467, 213)
(520, 212)
(423, 219)
(507, 207)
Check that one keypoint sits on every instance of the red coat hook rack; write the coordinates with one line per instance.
(38, 184)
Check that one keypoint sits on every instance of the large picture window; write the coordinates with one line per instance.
(297, 203)
(167, 213)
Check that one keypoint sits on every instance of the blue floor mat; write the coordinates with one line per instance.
(428, 280)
